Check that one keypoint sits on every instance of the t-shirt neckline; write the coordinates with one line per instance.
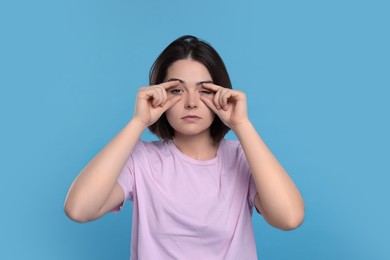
(188, 159)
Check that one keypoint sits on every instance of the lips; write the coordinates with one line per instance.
(191, 117)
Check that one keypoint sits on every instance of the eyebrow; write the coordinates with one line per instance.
(197, 83)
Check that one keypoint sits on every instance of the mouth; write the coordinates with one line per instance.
(191, 117)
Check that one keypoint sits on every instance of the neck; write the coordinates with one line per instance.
(196, 147)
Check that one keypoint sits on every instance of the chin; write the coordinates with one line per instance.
(191, 132)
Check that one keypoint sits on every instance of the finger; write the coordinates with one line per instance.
(169, 84)
(223, 97)
(165, 97)
(216, 98)
(164, 87)
(170, 102)
(226, 94)
(162, 96)
(218, 92)
(156, 97)
(210, 103)
(211, 86)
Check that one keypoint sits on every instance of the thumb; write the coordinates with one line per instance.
(209, 102)
(170, 102)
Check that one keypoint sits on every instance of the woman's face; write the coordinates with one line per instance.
(190, 116)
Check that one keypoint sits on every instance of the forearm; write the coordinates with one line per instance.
(280, 201)
(95, 182)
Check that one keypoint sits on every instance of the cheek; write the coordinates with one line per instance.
(171, 113)
(210, 115)
(210, 112)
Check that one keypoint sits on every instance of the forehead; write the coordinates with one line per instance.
(188, 70)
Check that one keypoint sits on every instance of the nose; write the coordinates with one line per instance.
(191, 101)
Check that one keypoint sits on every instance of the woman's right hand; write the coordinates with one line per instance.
(153, 101)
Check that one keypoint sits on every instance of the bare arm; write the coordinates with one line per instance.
(277, 198)
(95, 190)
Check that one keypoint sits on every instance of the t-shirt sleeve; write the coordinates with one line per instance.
(126, 181)
(252, 193)
(252, 190)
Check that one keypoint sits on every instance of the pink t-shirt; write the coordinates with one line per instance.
(189, 209)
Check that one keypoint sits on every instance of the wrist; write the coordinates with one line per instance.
(241, 126)
(137, 124)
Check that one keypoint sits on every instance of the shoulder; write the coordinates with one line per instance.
(233, 155)
(231, 149)
(154, 145)
(231, 143)
(152, 148)
(230, 146)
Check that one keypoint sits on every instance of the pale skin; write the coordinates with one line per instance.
(187, 91)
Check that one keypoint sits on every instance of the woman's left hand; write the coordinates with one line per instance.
(228, 104)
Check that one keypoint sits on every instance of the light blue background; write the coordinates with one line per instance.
(316, 74)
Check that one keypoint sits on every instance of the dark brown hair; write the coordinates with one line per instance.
(189, 47)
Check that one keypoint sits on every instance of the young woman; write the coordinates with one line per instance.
(193, 192)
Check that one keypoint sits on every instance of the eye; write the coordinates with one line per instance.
(206, 92)
(175, 91)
